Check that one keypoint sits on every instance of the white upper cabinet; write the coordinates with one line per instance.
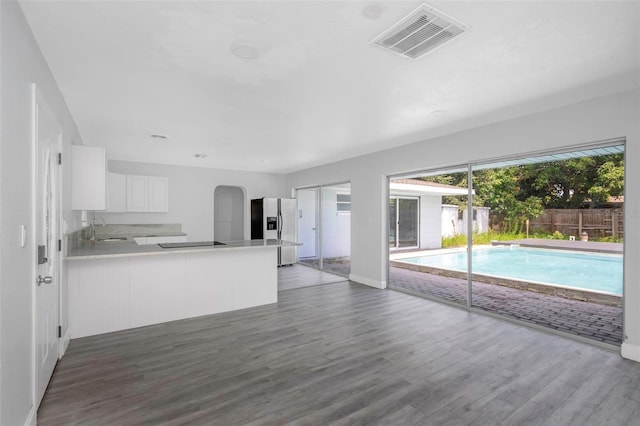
(116, 193)
(158, 194)
(88, 178)
(137, 189)
(147, 194)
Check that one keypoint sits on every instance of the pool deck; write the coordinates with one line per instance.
(590, 320)
(589, 246)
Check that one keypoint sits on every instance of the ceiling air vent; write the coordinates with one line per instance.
(420, 32)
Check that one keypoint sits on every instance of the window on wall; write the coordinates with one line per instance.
(343, 203)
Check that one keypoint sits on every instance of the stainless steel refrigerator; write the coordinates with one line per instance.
(275, 218)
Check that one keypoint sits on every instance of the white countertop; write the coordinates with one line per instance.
(110, 249)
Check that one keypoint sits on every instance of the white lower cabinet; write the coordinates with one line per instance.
(98, 296)
(112, 294)
(157, 289)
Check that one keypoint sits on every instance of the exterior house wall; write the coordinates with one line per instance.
(481, 224)
(450, 222)
(452, 225)
(336, 226)
(430, 218)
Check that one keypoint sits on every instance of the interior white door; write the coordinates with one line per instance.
(47, 145)
(307, 223)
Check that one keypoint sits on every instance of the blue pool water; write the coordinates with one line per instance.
(589, 271)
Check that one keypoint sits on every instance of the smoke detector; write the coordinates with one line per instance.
(420, 32)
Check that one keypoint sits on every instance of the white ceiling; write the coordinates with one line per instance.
(318, 91)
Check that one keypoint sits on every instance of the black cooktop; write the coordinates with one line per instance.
(192, 244)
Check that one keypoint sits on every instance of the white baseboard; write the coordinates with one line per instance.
(64, 343)
(631, 352)
(368, 281)
(31, 418)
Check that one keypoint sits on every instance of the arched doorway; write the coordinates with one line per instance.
(228, 213)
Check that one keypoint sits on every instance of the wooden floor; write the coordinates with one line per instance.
(340, 353)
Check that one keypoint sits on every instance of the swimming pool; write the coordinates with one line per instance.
(588, 271)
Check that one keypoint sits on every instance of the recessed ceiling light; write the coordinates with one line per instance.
(439, 113)
(200, 155)
(244, 51)
(158, 136)
(372, 10)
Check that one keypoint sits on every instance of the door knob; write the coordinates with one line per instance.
(44, 280)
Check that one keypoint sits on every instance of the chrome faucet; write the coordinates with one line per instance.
(93, 226)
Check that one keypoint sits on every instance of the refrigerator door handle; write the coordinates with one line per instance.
(280, 223)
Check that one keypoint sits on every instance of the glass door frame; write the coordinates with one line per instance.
(397, 222)
(319, 218)
(470, 167)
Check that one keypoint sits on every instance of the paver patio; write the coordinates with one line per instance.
(591, 320)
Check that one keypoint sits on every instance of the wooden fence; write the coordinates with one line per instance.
(597, 223)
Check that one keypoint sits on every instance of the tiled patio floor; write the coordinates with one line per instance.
(593, 321)
(590, 320)
(340, 266)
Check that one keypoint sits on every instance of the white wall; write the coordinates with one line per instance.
(594, 120)
(481, 224)
(191, 195)
(430, 228)
(22, 64)
(450, 222)
(336, 226)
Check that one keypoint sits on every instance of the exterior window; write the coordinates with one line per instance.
(343, 203)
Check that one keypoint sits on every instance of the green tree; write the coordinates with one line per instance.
(517, 193)
(501, 190)
(569, 184)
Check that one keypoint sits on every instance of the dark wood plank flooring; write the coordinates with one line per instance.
(340, 353)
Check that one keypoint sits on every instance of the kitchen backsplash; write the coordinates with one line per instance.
(138, 230)
(123, 231)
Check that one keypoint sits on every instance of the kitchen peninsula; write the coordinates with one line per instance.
(120, 285)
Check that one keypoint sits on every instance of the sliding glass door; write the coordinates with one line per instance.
(324, 227)
(535, 239)
(403, 222)
(553, 255)
(425, 222)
